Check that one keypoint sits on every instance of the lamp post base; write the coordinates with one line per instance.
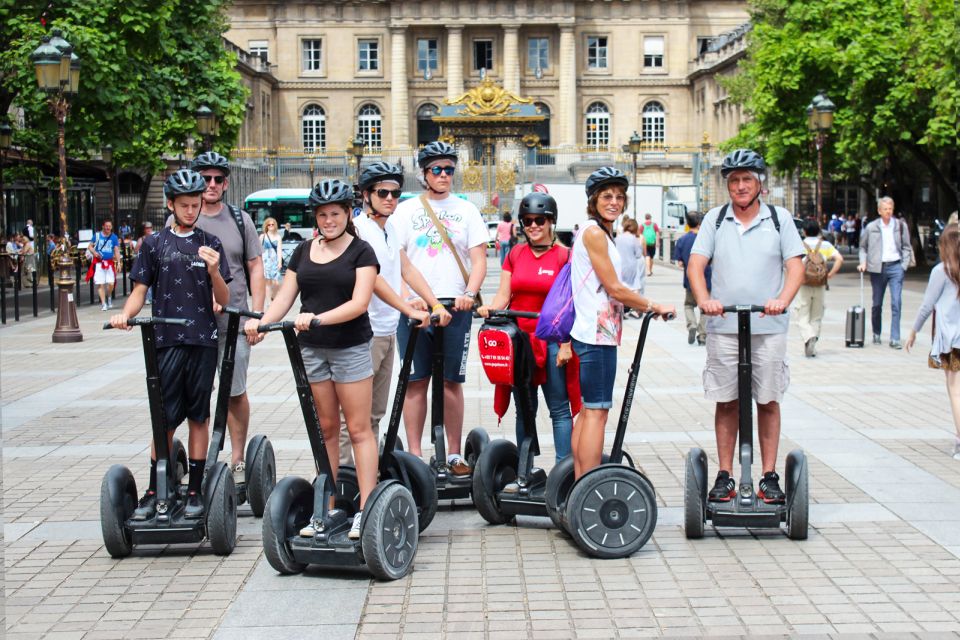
(68, 327)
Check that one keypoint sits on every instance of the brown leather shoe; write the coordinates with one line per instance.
(459, 467)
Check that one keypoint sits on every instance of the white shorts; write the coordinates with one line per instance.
(770, 369)
(103, 275)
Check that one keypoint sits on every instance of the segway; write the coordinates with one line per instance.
(118, 491)
(611, 511)
(507, 359)
(390, 526)
(449, 486)
(395, 463)
(260, 466)
(745, 509)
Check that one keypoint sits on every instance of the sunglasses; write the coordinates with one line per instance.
(383, 193)
(438, 170)
(217, 179)
(534, 220)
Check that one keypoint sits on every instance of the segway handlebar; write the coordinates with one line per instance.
(284, 324)
(509, 313)
(145, 320)
(736, 308)
(243, 312)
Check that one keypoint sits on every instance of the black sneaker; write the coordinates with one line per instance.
(724, 489)
(147, 507)
(194, 508)
(691, 335)
(770, 491)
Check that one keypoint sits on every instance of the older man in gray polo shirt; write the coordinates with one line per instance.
(756, 260)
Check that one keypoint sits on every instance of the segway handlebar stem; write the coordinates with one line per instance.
(145, 320)
(243, 312)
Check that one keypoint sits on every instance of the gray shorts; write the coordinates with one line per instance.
(241, 361)
(768, 355)
(350, 364)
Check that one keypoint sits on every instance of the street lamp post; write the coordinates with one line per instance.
(58, 75)
(207, 125)
(633, 148)
(6, 135)
(819, 120)
(356, 147)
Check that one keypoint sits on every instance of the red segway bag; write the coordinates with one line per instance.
(499, 342)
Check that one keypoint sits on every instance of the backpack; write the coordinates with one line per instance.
(558, 314)
(650, 233)
(238, 218)
(815, 267)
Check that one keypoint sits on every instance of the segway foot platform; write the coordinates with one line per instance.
(755, 515)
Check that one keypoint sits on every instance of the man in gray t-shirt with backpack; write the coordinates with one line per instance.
(242, 249)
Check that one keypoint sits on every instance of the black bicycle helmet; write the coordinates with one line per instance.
(436, 151)
(538, 203)
(211, 160)
(183, 182)
(378, 172)
(743, 159)
(605, 176)
(331, 192)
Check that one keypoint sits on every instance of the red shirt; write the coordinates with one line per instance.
(531, 278)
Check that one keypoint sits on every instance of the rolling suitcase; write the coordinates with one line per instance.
(856, 322)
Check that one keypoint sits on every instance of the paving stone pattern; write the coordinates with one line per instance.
(882, 558)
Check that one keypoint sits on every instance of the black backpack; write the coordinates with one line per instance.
(238, 218)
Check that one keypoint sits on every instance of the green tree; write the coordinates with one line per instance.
(890, 67)
(147, 65)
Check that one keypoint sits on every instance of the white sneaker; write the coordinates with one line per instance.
(355, 529)
(110, 303)
(956, 449)
(103, 307)
(240, 472)
(310, 530)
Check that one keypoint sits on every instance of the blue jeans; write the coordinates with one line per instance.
(555, 393)
(504, 250)
(891, 275)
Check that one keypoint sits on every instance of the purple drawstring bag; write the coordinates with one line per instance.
(558, 313)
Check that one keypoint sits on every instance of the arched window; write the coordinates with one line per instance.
(653, 128)
(313, 128)
(543, 128)
(427, 129)
(598, 125)
(369, 126)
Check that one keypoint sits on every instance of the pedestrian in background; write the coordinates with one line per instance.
(272, 245)
(651, 236)
(632, 251)
(505, 236)
(809, 298)
(885, 253)
(942, 298)
(696, 330)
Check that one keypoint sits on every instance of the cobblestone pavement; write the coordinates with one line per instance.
(883, 556)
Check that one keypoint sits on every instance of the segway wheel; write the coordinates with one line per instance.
(798, 495)
(389, 533)
(180, 467)
(288, 510)
(559, 482)
(477, 439)
(694, 493)
(221, 508)
(118, 499)
(422, 484)
(347, 496)
(496, 468)
(261, 473)
(612, 511)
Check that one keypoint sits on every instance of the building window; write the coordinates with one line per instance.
(598, 125)
(259, 48)
(703, 44)
(538, 54)
(314, 128)
(596, 52)
(369, 126)
(653, 52)
(312, 55)
(427, 129)
(427, 55)
(482, 55)
(369, 55)
(653, 128)
(543, 128)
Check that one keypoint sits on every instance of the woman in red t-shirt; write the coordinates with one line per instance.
(527, 275)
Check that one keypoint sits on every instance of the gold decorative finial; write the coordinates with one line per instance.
(487, 99)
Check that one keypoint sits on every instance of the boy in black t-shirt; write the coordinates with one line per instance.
(183, 265)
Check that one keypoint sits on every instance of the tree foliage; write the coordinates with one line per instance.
(147, 65)
(890, 66)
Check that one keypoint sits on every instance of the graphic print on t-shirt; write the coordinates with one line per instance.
(427, 236)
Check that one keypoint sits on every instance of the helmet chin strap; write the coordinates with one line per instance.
(326, 239)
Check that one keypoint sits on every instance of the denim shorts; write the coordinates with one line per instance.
(350, 364)
(598, 370)
(456, 345)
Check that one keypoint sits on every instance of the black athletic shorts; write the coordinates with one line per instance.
(186, 382)
(651, 251)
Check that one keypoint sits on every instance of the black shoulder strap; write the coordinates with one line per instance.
(776, 218)
(722, 216)
(238, 218)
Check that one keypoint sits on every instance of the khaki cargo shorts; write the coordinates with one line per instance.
(771, 372)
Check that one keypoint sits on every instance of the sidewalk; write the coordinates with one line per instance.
(883, 555)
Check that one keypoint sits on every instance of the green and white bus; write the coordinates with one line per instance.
(283, 205)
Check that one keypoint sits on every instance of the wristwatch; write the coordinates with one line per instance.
(470, 294)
